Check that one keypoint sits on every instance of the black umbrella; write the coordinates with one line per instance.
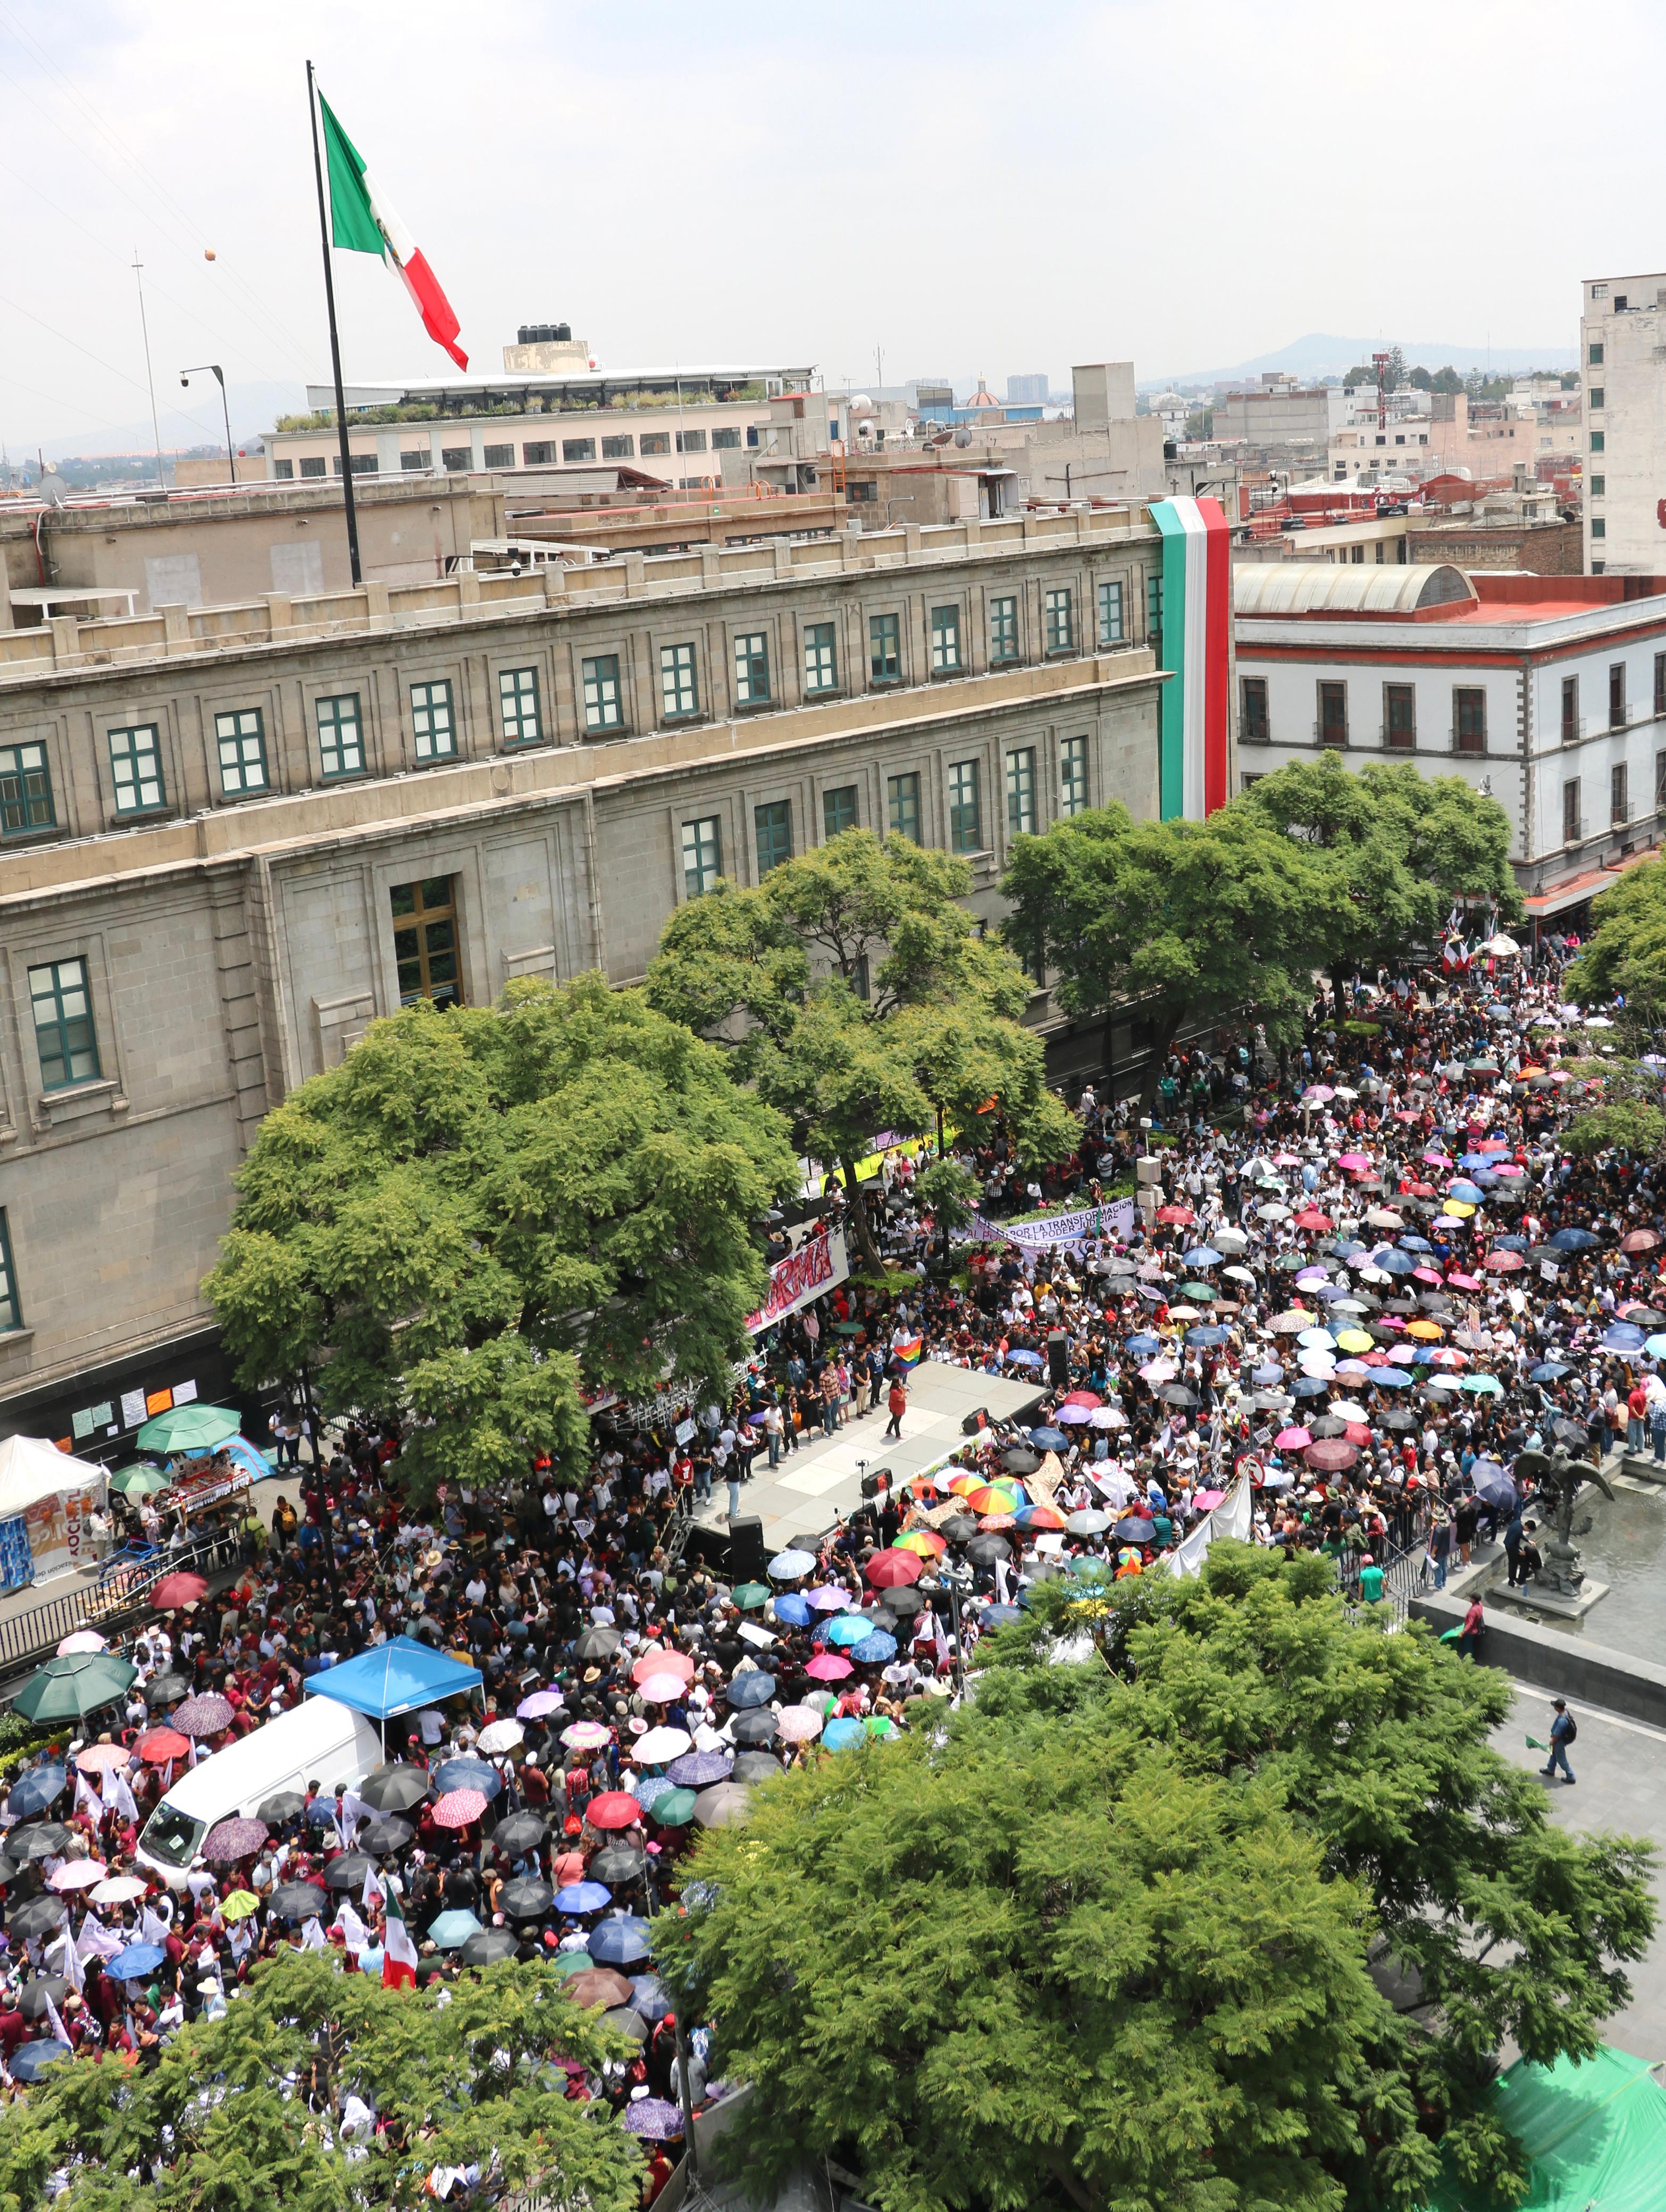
(33, 2002)
(46, 1840)
(521, 1831)
(1646, 1317)
(622, 2018)
(1434, 1301)
(1177, 1393)
(525, 1900)
(348, 1870)
(886, 1618)
(597, 1644)
(1401, 1424)
(8, 1870)
(165, 1689)
(299, 1900)
(395, 1788)
(758, 1727)
(1270, 1401)
(287, 1805)
(755, 1766)
(904, 1602)
(488, 1947)
(1134, 1531)
(1327, 1424)
(618, 1862)
(984, 1551)
(1016, 1461)
(380, 1837)
(41, 1916)
(958, 1528)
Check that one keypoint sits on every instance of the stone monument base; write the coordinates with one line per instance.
(1533, 1597)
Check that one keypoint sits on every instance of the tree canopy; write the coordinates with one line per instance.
(859, 997)
(483, 1212)
(1232, 1913)
(1626, 956)
(214, 2125)
(1200, 920)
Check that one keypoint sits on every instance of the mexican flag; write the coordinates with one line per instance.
(362, 221)
(398, 1952)
(1196, 619)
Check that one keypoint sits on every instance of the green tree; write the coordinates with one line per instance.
(1402, 846)
(1626, 956)
(481, 1212)
(215, 2127)
(1201, 423)
(859, 998)
(1446, 380)
(1420, 380)
(1200, 920)
(1234, 1913)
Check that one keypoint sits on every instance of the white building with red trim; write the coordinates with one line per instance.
(1549, 692)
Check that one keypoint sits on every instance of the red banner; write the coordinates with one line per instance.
(819, 1264)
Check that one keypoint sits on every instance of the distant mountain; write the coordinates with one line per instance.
(1320, 353)
(253, 407)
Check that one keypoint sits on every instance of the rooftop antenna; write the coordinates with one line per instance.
(144, 328)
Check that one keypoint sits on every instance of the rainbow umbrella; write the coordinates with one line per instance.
(926, 1542)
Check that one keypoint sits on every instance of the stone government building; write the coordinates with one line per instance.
(231, 836)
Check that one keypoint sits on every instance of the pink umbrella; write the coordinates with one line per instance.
(658, 1661)
(828, 1667)
(101, 1758)
(1292, 1439)
(1505, 1263)
(662, 1689)
(1436, 1157)
(826, 1599)
(585, 1735)
(541, 1702)
(1317, 1094)
(1509, 1168)
(798, 1724)
(1402, 1355)
(82, 1639)
(1426, 1275)
(1354, 1162)
(79, 1873)
(459, 1806)
(1463, 1282)
(1207, 1500)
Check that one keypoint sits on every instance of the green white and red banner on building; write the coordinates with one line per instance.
(1195, 653)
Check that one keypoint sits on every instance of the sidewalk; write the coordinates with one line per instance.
(803, 1496)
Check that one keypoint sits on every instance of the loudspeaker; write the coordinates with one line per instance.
(1058, 1359)
(974, 1422)
(874, 1483)
(747, 1561)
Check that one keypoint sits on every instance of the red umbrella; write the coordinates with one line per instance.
(889, 1570)
(659, 1661)
(1176, 1216)
(159, 1745)
(459, 1806)
(1333, 1454)
(1505, 1263)
(1088, 1398)
(1356, 1432)
(1312, 1218)
(613, 1808)
(1419, 1190)
(175, 1590)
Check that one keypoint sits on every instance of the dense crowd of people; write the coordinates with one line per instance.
(1363, 1283)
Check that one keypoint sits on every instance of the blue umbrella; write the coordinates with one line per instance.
(1552, 1370)
(652, 1788)
(1394, 1263)
(586, 1896)
(1347, 1248)
(792, 1609)
(1308, 1386)
(838, 1734)
(1510, 1244)
(1572, 1240)
(694, 1769)
(1142, 1345)
(1416, 1244)
(1654, 1345)
(1206, 1333)
(452, 1930)
(1494, 1486)
(321, 1811)
(1026, 1359)
(873, 1651)
(35, 1791)
(1202, 1256)
(1620, 1336)
(1471, 1161)
(30, 2060)
(787, 1566)
(138, 1960)
(994, 1616)
(468, 1774)
(1049, 1439)
(752, 1688)
(618, 1942)
(649, 1997)
(1265, 1375)
(1389, 1378)
(847, 1628)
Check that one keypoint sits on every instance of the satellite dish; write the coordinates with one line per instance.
(52, 488)
(963, 436)
(860, 403)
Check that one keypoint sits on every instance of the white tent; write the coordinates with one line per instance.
(30, 1469)
(1233, 1516)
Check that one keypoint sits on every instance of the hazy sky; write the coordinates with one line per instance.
(972, 187)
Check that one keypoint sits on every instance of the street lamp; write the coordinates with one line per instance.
(214, 369)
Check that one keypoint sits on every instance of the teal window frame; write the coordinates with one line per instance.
(1599, 444)
(1154, 610)
(679, 683)
(702, 855)
(884, 648)
(65, 1035)
(520, 706)
(603, 696)
(26, 790)
(340, 736)
(240, 743)
(839, 810)
(772, 832)
(966, 806)
(902, 805)
(11, 1306)
(1072, 777)
(1004, 647)
(1112, 630)
(432, 720)
(136, 769)
(821, 658)
(751, 668)
(946, 641)
(1058, 618)
(1021, 792)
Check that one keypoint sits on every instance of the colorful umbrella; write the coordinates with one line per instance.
(613, 1808)
(459, 1806)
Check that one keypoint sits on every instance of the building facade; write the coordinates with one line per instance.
(232, 836)
(1622, 353)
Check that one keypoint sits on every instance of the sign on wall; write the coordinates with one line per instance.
(817, 1265)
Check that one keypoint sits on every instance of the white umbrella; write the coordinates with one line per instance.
(501, 1735)
(1382, 1217)
(661, 1744)
(1273, 1213)
(79, 1873)
(1501, 947)
(1229, 1240)
(1239, 1275)
(119, 1889)
(1345, 1410)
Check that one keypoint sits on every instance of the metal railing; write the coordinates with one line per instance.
(116, 1606)
(1403, 1578)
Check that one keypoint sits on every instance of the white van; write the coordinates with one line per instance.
(321, 1741)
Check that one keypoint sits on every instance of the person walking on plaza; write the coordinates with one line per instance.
(1564, 1730)
(897, 1403)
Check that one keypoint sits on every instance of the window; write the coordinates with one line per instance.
(456, 459)
(1617, 695)
(1021, 793)
(884, 648)
(500, 457)
(11, 1312)
(821, 665)
(839, 810)
(679, 693)
(690, 441)
(1111, 614)
(425, 941)
(363, 465)
(1256, 728)
(1660, 782)
(1598, 442)
(1154, 612)
(240, 739)
(703, 855)
(1003, 631)
(1660, 683)
(620, 449)
(1597, 396)
(1595, 356)
(600, 678)
(654, 441)
(1619, 798)
(517, 704)
(946, 639)
(725, 441)
(1597, 487)
(26, 791)
(1073, 776)
(1599, 527)
(418, 457)
(902, 806)
(312, 468)
(751, 669)
(1469, 719)
(1570, 710)
(578, 449)
(538, 454)
(1059, 621)
(1399, 716)
(283, 470)
(1572, 827)
(136, 769)
(773, 827)
(1332, 713)
(340, 737)
(965, 808)
(64, 1035)
(431, 721)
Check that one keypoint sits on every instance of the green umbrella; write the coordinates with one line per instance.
(848, 1328)
(66, 1689)
(751, 1594)
(674, 1810)
(1200, 1290)
(138, 1481)
(189, 1428)
(573, 1962)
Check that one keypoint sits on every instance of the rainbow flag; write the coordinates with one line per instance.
(909, 1353)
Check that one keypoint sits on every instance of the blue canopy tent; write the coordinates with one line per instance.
(395, 1677)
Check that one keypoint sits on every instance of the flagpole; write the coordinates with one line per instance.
(335, 343)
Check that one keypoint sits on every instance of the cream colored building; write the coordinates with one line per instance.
(1622, 354)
